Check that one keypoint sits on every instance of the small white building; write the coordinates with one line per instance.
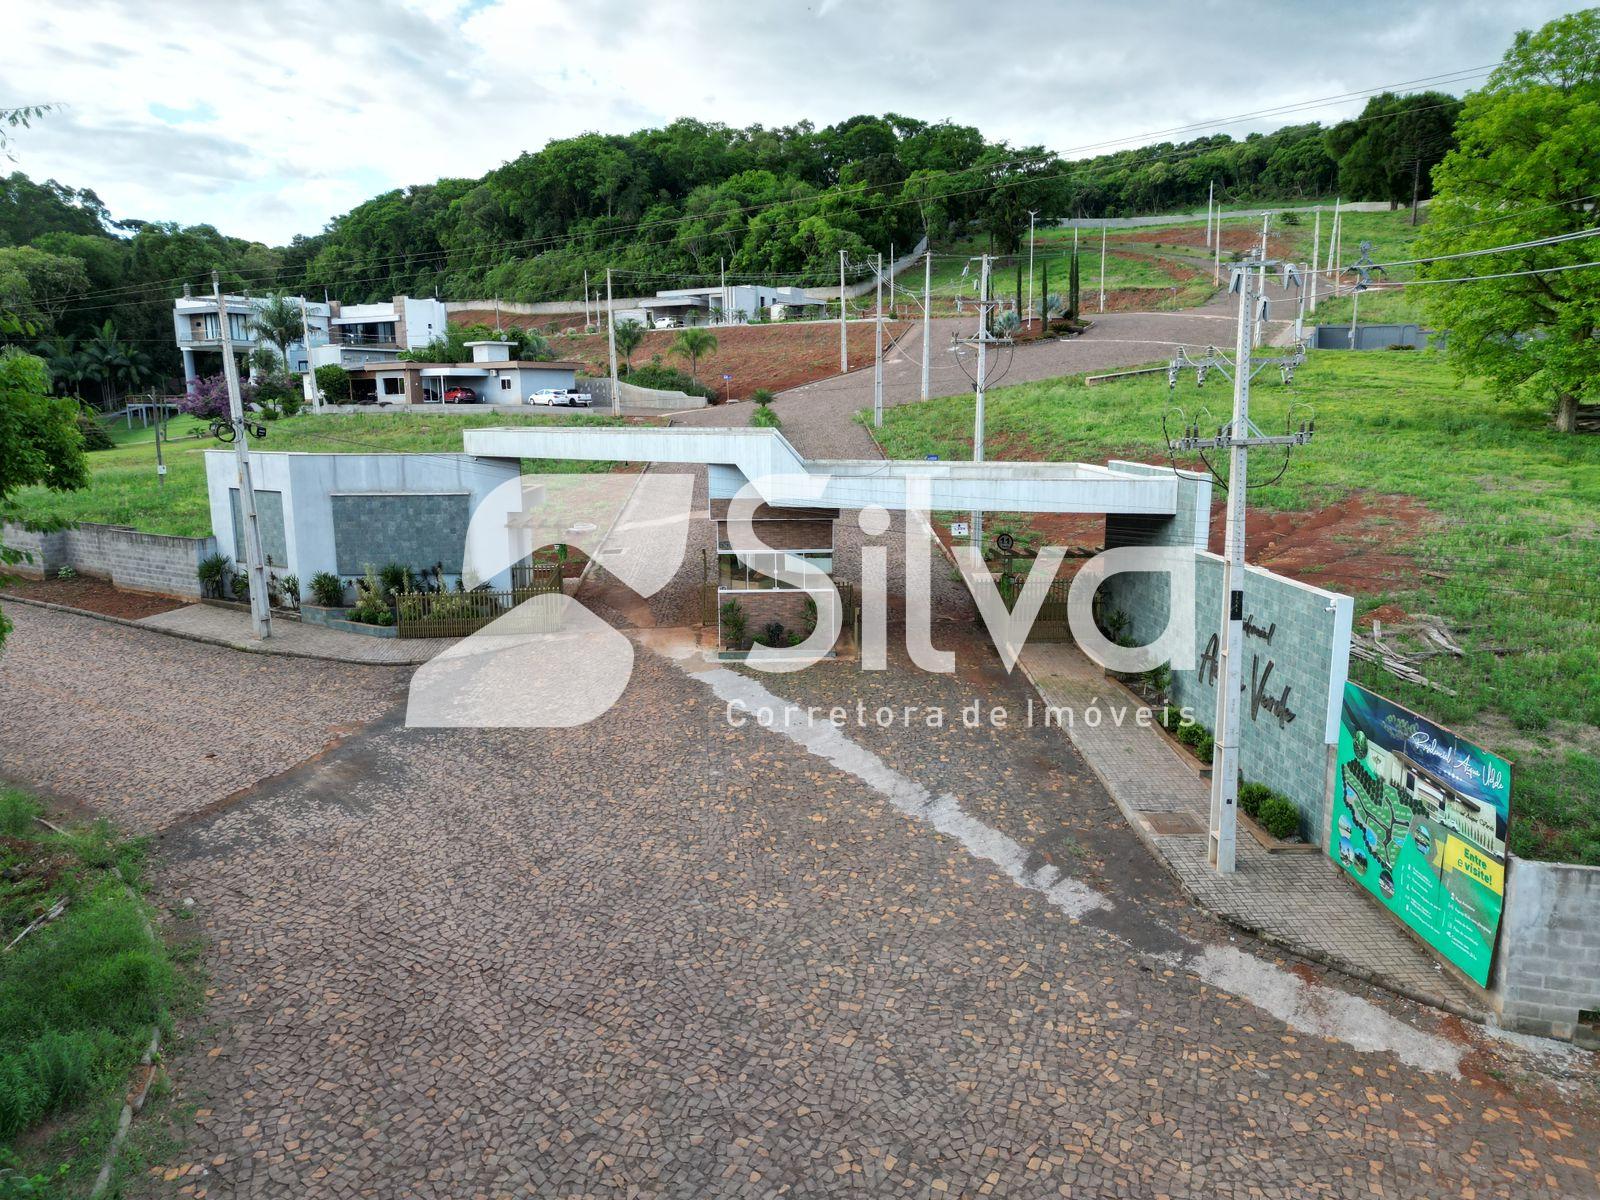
(492, 377)
(734, 304)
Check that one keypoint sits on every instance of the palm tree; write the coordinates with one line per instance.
(106, 360)
(628, 333)
(278, 321)
(691, 343)
(68, 367)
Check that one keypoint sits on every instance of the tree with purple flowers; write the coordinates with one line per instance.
(209, 397)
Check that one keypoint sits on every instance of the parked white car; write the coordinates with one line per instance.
(666, 322)
(560, 398)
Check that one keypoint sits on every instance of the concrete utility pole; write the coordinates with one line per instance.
(927, 309)
(1033, 214)
(1238, 437)
(877, 354)
(844, 343)
(1316, 257)
(1333, 235)
(722, 269)
(611, 346)
(1211, 198)
(983, 369)
(1261, 320)
(1216, 262)
(586, 298)
(255, 558)
(311, 370)
(1102, 266)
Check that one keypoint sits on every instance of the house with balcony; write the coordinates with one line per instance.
(351, 335)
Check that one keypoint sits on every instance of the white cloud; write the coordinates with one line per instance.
(280, 116)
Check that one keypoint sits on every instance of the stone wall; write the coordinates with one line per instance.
(133, 561)
(1547, 972)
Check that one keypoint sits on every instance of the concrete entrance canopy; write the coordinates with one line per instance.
(765, 458)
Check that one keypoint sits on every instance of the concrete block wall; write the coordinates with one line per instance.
(1547, 971)
(134, 561)
(44, 551)
(1297, 638)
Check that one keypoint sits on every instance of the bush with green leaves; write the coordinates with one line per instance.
(1279, 817)
(765, 418)
(396, 578)
(214, 570)
(327, 589)
(372, 601)
(733, 625)
(333, 382)
(1252, 796)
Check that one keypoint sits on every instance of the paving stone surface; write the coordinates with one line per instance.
(664, 955)
(1300, 898)
(302, 640)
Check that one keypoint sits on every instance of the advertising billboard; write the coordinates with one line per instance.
(1420, 819)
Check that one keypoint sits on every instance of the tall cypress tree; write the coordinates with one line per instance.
(1044, 295)
(1072, 289)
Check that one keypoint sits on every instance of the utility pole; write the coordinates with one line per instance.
(1102, 266)
(1238, 437)
(611, 346)
(1316, 257)
(927, 308)
(311, 370)
(1211, 199)
(1261, 320)
(586, 324)
(161, 429)
(844, 344)
(722, 269)
(982, 380)
(1216, 262)
(1333, 235)
(877, 354)
(1416, 179)
(1033, 214)
(255, 559)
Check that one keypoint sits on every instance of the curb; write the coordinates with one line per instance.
(1142, 832)
(241, 647)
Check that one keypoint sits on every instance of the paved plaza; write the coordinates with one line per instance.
(674, 954)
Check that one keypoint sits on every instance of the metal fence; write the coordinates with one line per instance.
(457, 614)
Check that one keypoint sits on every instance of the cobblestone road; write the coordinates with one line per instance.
(664, 955)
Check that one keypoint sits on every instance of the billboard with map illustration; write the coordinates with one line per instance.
(1420, 819)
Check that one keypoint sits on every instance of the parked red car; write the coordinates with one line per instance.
(461, 396)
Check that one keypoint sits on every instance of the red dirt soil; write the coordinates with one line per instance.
(776, 357)
(94, 595)
(1242, 240)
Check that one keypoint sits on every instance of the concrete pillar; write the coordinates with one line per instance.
(189, 373)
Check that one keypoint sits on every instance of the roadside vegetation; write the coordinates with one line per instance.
(81, 994)
(1509, 560)
(123, 488)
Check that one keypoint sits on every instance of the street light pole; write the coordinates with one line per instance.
(983, 367)
(844, 345)
(1316, 257)
(927, 321)
(877, 354)
(1102, 266)
(1033, 214)
(611, 346)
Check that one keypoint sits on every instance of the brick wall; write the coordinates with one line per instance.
(134, 561)
(1547, 971)
(783, 605)
(44, 550)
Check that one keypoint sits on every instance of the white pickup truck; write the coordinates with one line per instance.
(561, 398)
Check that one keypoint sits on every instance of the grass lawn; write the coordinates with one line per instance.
(79, 997)
(1514, 550)
(124, 490)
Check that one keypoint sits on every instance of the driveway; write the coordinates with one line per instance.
(669, 953)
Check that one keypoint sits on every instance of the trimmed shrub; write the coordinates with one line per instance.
(1279, 817)
(1251, 797)
(733, 624)
(212, 571)
(327, 589)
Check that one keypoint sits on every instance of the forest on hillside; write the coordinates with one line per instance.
(671, 205)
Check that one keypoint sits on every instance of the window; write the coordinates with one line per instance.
(394, 386)
(753, 572)
(505, 383)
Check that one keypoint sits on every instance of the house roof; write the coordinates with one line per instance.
(469, 368)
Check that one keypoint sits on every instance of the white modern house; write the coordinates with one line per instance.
(733, 304)
(492, 377)
(351, 335)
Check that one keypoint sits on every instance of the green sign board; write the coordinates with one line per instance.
(1419, 819)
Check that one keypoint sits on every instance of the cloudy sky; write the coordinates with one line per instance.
(267, 119)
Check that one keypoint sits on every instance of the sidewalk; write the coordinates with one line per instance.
(225, 627)
(1298, 901)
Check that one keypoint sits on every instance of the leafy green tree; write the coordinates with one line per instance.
(37, 287)
(1527, 164)
(693, 344)
(333, 382)
(628, 334)
(1392, 147)
(39, 439)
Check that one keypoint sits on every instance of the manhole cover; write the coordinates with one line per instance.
(1173, 823)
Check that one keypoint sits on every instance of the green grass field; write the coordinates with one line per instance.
(79, 997)
(124, 488)
(1512, 559)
